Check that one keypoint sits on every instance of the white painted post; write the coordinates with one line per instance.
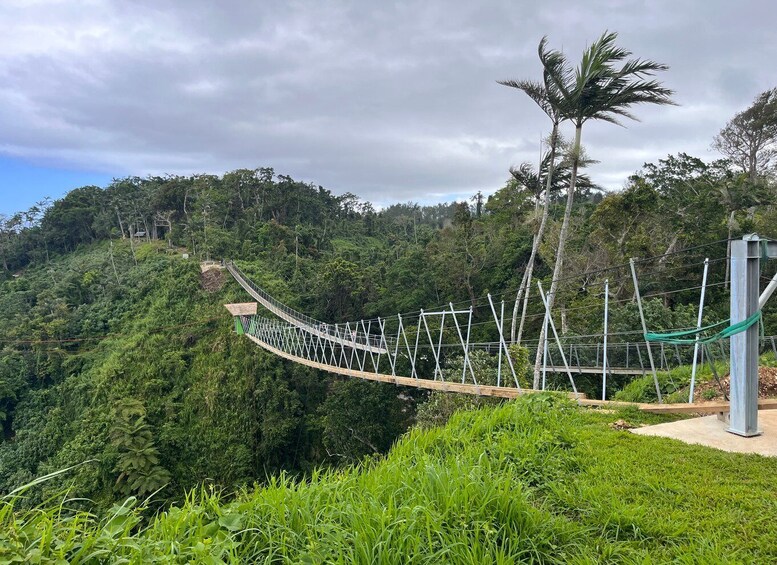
(698, 327)
(317, 344)
(410, 354)
(417, 337)
(604, 360)
(393, 362)
(351, 335)
(555, 335)
(644, 329)
(431, 344)
(503, 344)
(544, 350)
(499, 357)
(464, 345)
(439, 343)
(368, 341)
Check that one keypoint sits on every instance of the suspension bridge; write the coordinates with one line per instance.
(437, 349)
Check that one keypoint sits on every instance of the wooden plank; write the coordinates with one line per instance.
(704, 407)
(695, 408)
(242, 308)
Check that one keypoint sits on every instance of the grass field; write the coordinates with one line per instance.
(537, 480)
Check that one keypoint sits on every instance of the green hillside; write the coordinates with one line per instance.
(538, 480)
(137, 370)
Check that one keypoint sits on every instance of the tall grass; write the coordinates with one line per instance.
(534, 481)
(674, 384)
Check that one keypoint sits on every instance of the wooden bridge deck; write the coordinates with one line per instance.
(504, 392)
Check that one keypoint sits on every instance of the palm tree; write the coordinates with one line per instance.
(598, 89)
(547, 96)
(535, 182)
(539, 182)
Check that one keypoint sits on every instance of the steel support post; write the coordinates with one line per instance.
(698, 327)
(464, 345)
(745, 259)
(555, 335)
(417, 337)
(606, 316)
(544, 345)
(503, 344)
(435, 352)
(499, 357)
(644, 330)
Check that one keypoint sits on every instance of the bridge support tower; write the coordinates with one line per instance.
(745, 301)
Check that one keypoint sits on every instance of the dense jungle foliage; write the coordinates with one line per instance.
(114, 352)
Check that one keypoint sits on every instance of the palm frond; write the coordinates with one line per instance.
(534, 182)
(533, 90)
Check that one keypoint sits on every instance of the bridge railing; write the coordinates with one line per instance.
(632, 355)
(418, 354)
(437, 345)
(358, 333)
(409, 358)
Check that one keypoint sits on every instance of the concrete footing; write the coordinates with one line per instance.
(711, 431)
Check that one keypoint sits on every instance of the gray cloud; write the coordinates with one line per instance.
(391, 101)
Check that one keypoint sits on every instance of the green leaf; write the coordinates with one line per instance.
(232, 522)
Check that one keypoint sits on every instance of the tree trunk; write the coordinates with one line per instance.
(3, 249)
(523, 291)
(669, 249)
(115, 272)
(562, 241)
(728, 249)
(132, 244)
(121, 224)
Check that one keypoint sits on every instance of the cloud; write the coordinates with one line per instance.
(390, 101)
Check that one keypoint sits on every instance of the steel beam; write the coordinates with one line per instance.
(745, 259)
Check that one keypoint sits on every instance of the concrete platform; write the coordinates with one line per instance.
(711, 431)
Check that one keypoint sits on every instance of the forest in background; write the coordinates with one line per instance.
(116, 351)
(113, 352)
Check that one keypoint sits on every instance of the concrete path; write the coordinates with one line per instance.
(711, 431)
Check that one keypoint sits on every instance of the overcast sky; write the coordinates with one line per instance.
(392, 101)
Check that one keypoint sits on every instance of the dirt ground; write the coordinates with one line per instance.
(767, 386)
(212, 280)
